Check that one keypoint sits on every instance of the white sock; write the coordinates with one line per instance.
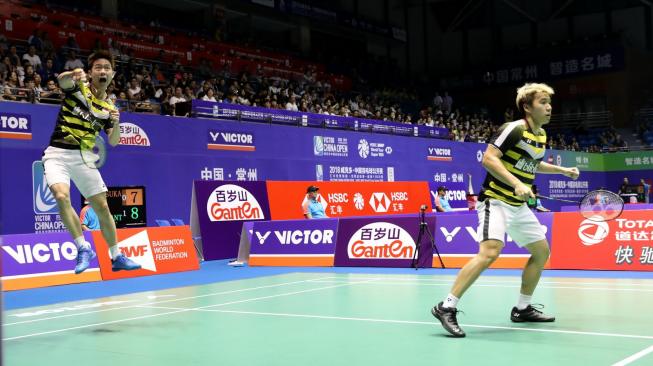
(81, 243)
(450, 302)
(115, 252)
(524, 301)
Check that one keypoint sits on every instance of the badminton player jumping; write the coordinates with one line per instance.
(512, 158)
(85, 110)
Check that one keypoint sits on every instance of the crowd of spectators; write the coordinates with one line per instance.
(153, 86)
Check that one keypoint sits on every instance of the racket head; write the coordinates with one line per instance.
(601, 205)
(94, 152)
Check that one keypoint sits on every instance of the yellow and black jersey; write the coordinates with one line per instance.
(81, 118)
(522, 151)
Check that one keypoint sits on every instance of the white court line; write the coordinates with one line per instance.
(542, 282)
(634, 357)
(616, 335)
(516, 285)
(166, 301)
(176, 311)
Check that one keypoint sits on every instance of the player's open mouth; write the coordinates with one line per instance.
(103, 79)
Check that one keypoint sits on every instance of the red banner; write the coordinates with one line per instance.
(622, 244)
(346, 199)
(157, 249)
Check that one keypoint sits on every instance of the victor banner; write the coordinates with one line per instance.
(40, 260)
(294, 243)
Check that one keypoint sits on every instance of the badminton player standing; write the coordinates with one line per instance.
(85, 109)
(512, 158)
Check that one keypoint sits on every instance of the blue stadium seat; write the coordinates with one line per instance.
(177, 222)
(162, 222)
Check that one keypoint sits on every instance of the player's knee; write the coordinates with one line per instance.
(62, 197)
(542, 254)
(489, 256)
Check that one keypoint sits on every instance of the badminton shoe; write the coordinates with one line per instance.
(84, 258)
(530, 314)
(123, 263)
(447, 317)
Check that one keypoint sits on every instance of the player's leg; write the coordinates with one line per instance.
(56, 168)
(61, 193)
(527, 232)
(492, 222)
(91, 185)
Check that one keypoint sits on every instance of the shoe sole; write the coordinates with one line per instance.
(518, 320)
(437, 316)
(124, 269)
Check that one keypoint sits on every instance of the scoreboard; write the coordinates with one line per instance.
(127, 205)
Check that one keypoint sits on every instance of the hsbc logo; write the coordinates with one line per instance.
(593, 232)
(379, 202)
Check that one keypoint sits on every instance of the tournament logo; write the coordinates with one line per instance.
(381, 240)
(15, 126)
(593, 232)
(139, 248)
(318, 145)
(133, 135)
(363, 148)
(230, 202)
(43, 200)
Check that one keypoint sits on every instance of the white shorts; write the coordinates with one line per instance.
(496, 218)
(61, 165)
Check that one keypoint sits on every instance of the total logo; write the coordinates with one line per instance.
(133, 135)
(381, 240)
(593, 232)
(139, 248)
(230, 202)
(380, 202)
(43, 200)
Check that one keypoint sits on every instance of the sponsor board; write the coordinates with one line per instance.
(381, 242)
(230, 141)
(41, 260)
(293, 243)
(133, 135)
(15, 126)
(346, 199)
(624, 243)
(157, 249)
(456, 236)
(221, 208)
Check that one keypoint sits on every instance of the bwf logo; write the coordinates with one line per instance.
(593, 232)
(139, 249)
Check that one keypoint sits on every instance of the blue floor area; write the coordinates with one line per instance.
(217, 271)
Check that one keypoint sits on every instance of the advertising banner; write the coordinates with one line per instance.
(345, 199)
(157, 249)
(456, 194)
(294, 243)
(381, 241)
(41, 260)
(456, 236)
(222, 207)
(622, 244)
